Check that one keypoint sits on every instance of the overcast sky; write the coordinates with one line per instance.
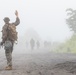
(47, 17)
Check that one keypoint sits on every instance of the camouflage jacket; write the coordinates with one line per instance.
(4, 29)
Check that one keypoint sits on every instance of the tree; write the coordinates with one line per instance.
(71, 20)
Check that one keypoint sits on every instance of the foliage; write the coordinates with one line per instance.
(68, 46)
(71, 20)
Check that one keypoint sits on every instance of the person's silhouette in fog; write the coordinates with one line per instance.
(32, 43)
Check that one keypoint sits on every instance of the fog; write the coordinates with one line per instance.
(46, 17)
(44, 21)
(46, 45)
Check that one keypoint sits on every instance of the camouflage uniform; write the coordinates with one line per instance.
(8, 51)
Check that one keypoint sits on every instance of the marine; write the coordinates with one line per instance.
(9, 36)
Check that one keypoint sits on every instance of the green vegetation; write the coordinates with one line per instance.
(69, 46)
(71, 20)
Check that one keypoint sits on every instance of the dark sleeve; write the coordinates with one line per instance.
(17, 22)
(4, 33)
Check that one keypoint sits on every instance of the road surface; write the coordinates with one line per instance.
(36, 63)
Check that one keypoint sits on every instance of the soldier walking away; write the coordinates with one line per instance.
(9, 36)
(32, 43)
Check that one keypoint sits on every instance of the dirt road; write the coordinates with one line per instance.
(40, 64)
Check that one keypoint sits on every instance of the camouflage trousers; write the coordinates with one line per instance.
(8, 54)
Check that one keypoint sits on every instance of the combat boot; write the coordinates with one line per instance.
(8, 68)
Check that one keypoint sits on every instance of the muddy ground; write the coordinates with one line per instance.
(39, 63)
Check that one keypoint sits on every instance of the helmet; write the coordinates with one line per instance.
(6, 19)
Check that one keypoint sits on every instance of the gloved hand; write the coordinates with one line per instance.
(16, 13)
(1, 43)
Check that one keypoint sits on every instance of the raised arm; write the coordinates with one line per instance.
(17, 22)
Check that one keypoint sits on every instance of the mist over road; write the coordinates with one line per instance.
(36, 63)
